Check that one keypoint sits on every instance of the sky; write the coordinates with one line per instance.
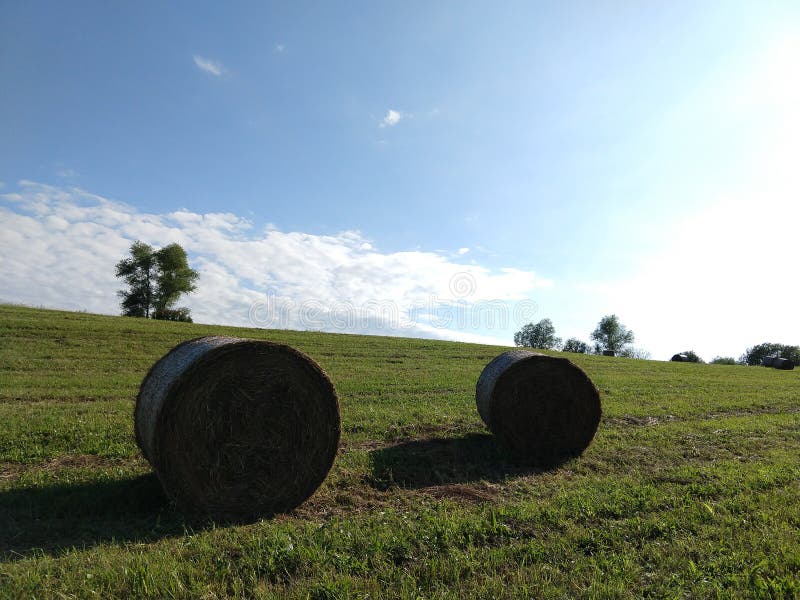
(449, 170)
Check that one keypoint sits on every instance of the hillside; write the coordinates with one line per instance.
(690, 486)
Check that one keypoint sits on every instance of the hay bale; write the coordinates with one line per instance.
(784, 364)
(540, 406)
(768, 361)
(238, 428)
(609, 353)
(679, 358)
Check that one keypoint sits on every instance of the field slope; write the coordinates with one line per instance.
(690, 488)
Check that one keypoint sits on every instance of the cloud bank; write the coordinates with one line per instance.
(60, 245)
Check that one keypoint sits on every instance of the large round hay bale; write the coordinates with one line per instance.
(784, 364)
(768, 361)
(679, 358)
(238, 428)
(609, 353)
(540, 406)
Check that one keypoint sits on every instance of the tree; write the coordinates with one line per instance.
(754, 355)
(137, 272)
(155, 280)
(576, 345)
(612, 335)
(539, 335)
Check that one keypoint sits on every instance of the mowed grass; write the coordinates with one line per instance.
(690, 488)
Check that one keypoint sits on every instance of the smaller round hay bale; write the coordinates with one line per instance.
(237, 428)
(768, 361)
(784, 364)
(679, 358)
(609, 353)
(540, 406)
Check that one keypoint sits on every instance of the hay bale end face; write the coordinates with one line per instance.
(238, 428)
(542, 407)
(784, 364)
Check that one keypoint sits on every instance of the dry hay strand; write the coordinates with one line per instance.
(542, 407)
(784, 364)
(238, 428)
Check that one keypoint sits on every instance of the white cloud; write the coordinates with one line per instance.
(280, 48)
(391, 119)
(67, 173)
(463, 251)
(58, 248)
(209, 66)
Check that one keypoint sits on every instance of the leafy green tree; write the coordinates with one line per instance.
(137, 271)
(155, 280)
(611, 334)
(576, 345)
(724, 360)
(538, 335)
(754, 355)
(173, 277)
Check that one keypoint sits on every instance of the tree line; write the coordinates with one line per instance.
(611, 337)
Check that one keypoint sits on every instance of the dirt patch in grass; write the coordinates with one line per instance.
(479, 492)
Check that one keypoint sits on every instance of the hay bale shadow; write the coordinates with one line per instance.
(53, 518)
(438, 461)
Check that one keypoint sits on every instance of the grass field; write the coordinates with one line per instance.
(690, 488)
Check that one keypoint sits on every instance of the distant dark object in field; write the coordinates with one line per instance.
(784, 364)
(540, 406)
(238, 428)
(609, 353)
(768, 361)
(679, 358)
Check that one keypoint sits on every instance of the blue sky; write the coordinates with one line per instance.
(583, 158)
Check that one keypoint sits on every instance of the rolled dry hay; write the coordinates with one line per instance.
(540, 406)
(784, 364)
(679, 358)
(238, 428)
(768, 361)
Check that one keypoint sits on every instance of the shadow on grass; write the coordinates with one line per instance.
(441, 461)
(58, 517)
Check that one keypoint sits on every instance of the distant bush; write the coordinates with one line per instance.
(577, 346)
(688, 356)
(631, 352)
(724, 360)
(173, 314)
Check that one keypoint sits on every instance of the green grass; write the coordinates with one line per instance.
(690, 488)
